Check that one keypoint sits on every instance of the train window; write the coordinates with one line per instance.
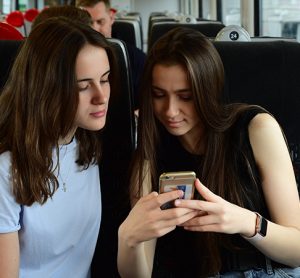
(231, 12)
(121, 5)
(23, 5)
(6, 6)
(281, 18)
(50, 3)
(208, 10)
(228, 12)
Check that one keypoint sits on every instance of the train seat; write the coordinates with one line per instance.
(135, 16)
(8, 51)
(266, 73)
(155, 19)
(233, 33)
(208, 28)
(8, 32)
(129, 31)
(16, 19)
(238, 33)
(118, 146)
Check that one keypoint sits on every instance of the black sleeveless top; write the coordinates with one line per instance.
(180, 253)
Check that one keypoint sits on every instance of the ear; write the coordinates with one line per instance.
(112, 14)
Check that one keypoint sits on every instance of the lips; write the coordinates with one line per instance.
(98, 114)
(174, 124)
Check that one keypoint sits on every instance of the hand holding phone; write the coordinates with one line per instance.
(183, 180)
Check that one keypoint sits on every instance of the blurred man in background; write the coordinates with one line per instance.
(103, 18)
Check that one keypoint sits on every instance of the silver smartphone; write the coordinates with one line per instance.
(183, 180)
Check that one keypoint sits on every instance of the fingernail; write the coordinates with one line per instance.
(177, 202)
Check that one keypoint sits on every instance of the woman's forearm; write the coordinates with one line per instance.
(281, 244)
(133, 260)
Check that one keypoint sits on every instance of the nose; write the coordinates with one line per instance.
(100, 94)
(172, 108)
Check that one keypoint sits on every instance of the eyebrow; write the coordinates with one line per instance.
(89, 79)
(177, 91)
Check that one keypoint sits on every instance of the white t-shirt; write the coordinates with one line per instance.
(57, 239)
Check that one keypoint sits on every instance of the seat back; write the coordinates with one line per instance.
(8, 32)
(269, 39)
(136, 16)
(208, 28)
(266, 73)
(128, 30)
(16, 19)
(154, 18)
(118, 146)
(8, 52)
(233, 33)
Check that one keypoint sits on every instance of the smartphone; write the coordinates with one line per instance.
(183, 180)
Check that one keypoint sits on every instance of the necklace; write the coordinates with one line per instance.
(64, 187)
(63, 154)
(64, 179)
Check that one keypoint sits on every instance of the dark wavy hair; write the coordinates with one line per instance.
(204, 68)
(39, 103)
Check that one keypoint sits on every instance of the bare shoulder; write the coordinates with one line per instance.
(268, 143)
(263, 120)
(266, 136)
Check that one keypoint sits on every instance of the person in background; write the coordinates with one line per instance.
(102, 21)
(53, 108)
(245, 219)
(68, 11)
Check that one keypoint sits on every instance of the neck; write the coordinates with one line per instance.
(194, 142)
(67, 139)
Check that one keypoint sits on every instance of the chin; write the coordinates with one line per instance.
(94, 127)
(176, 132)
(98, 127)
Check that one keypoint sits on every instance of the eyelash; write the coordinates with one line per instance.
(83, 89)
(186, 98)
(157, 95)
(87, 86)
(161, 95)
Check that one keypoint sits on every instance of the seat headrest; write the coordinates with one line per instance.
(233, 33)
(8, 32)
(186, 19)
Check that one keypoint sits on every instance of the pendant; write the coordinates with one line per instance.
(64, 188)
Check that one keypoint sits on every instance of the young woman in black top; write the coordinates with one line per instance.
(245, 221)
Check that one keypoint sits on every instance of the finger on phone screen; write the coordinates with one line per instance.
(167, 199)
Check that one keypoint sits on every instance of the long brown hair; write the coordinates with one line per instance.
(195, 53)
(39, 103)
